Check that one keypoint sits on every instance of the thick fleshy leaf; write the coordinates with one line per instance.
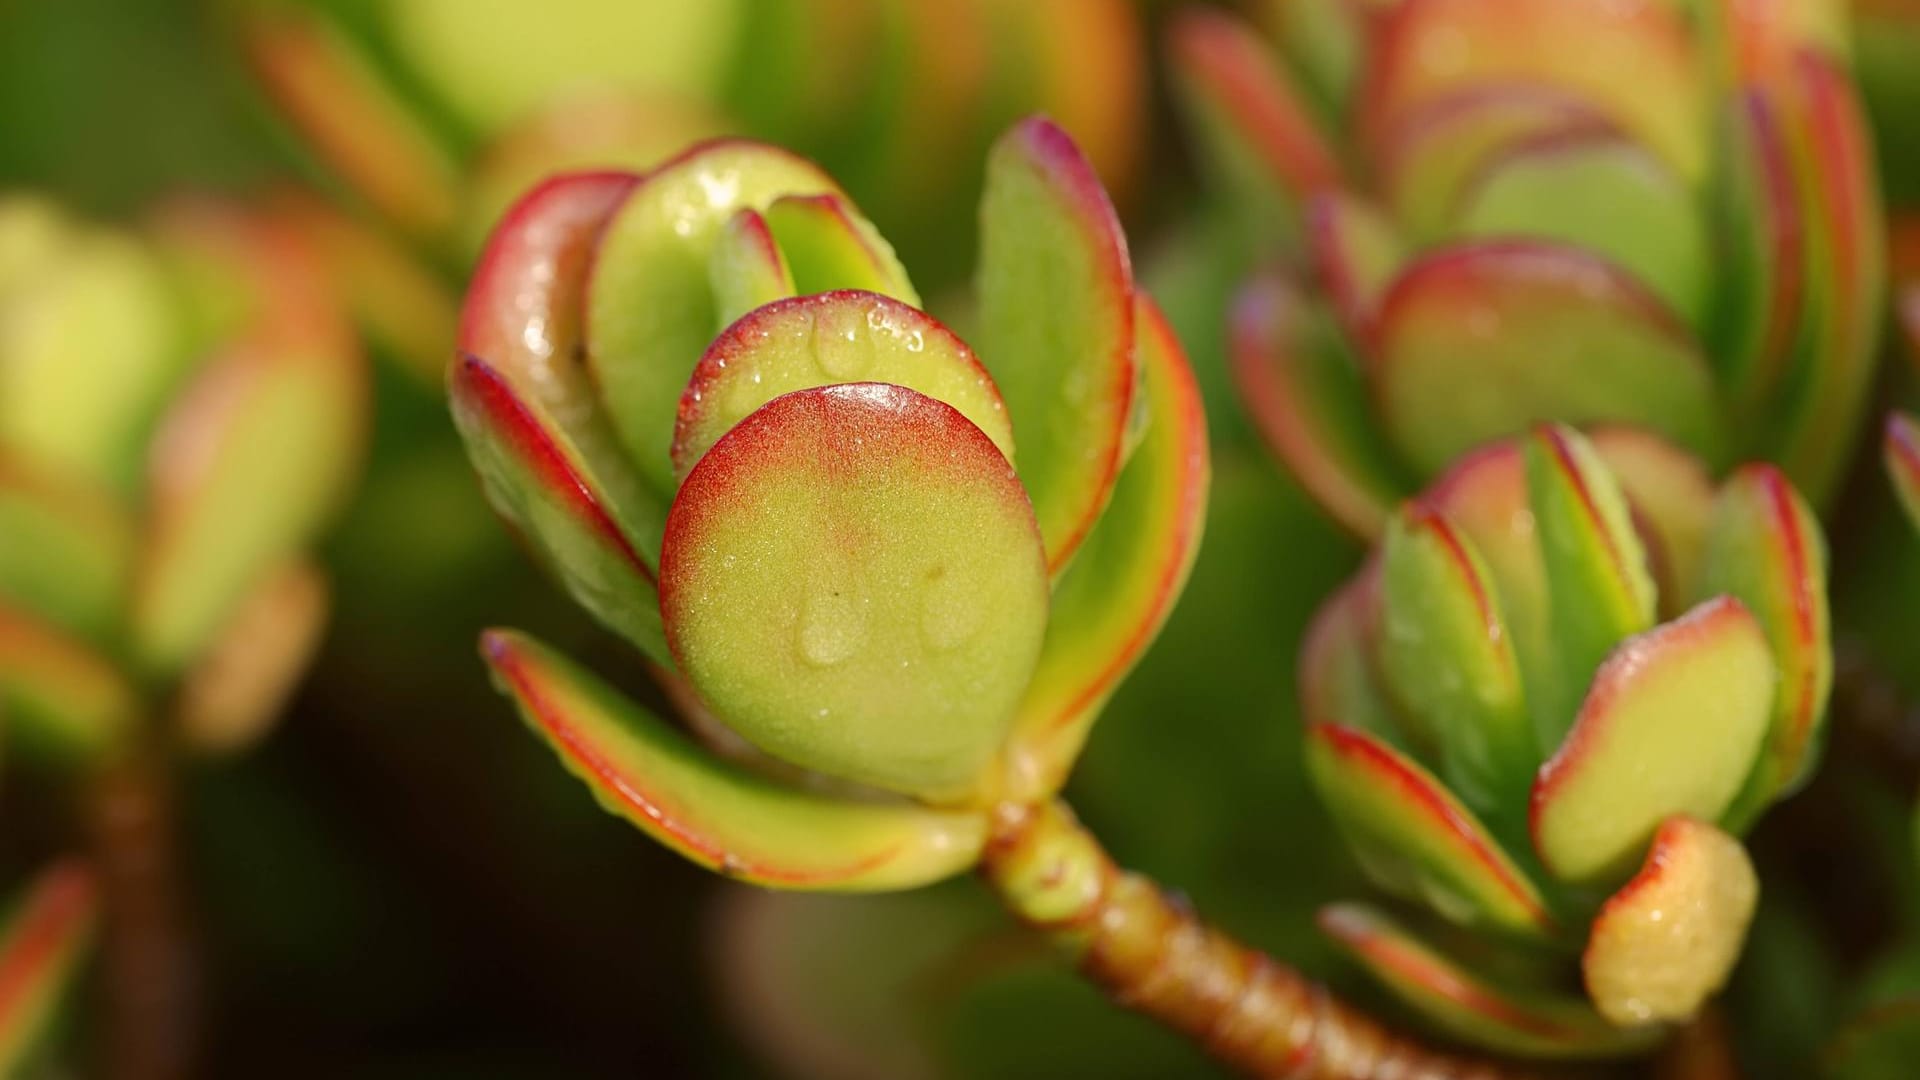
(60, 701)
(650, 310)
(1257, 135)
(1602, 193)
(493, 61)
(1447, 656)
(1672, 725)
(334, 95)
(716, 813)
(1413, 837)
(1057, 326)
(1671, 497)
(43, 942)
(828, 338)
(829, 246)
(90, 347)
(1356, 251)
(537, 482)
(1531, 1022)
(747, 268)
(1766, 550)
(1484, 497)
(231, 697)
(1901, 451)
(1436, 150)
(1846, 267)
(65, 549)
(522, 318)
(1761, 271)
(1339, 674)
(1666, 942)
(1514, 332)
(249, 461)
(1111, 603)
(1600, 589)
(852, 580)
(1635, 61)
(1299, 380)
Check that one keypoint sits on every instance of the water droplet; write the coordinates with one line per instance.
(840, 346)
(833, 626)
(950, 611)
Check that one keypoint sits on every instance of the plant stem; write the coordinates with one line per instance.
(150, 963)
(1153, 955)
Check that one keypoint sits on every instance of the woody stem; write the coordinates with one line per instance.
(1153, 955)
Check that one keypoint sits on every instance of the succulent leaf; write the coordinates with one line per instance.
(851, 578)
(1339, 673)
(232, 695)
(1901, 452)
(1416, 838)
(715, 813)
(828, 338)
(747, 268)
(1356, 252)
(1669, 938)
(828, 246)
(1672, 725)
(1531, 1022)
(66, 548)
(1057, 326)
(62, 701)
(649, 308)
(43, 943)
(1111, 603)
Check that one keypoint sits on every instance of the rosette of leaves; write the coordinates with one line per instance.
(439, 113)
(893, 580)
(180, 411)
(1543, 714)
(1639, 213)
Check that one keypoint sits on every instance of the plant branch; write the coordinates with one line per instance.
(151, 978)
(1152, 954)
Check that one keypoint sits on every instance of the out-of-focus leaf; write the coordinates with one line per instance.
(65, 549)
(60, 701)
(232, 694)
(42, 942)
(829, 246)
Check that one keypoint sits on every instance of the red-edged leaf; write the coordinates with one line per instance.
(716, 813)
(42, 943)
(60, 700)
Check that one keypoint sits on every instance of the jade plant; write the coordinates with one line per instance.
(180, 410)
(439, 113)
(1598, 212)
(889, 581)
(1546, 710)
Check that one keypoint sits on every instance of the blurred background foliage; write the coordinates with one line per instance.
(400, 882)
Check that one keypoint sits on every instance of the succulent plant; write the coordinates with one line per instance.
(440, 113)
(1546, 709)
(707, 400)
(1599, 212)
(179, 412)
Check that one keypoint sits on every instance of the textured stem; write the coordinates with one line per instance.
(151, 980)
(1153, 955)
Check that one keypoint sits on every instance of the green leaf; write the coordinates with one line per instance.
(1356, 251)
(1415, 838)
(249, 462)
(1766, 551)
(1599, 588)
(1508, 333)
(1670, 497)
(851, 579)
(1056, 326)
(65, 550)
(830, 246)
(1111, 603)
(1668, 940)
(1760, 278)
(824, 339)
(537, 482)
(713, 812)
(1298, 379)
(1530, 1022)
(1601, 193)
(522, 318)
(1671, 725)
(747, 268)
(1446, 653)
(1339, 675)
(650, 310)
(43, 945)
(60, 701)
